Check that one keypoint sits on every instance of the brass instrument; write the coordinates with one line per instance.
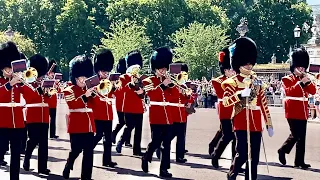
(52, 91)
(28, 76)
(105, 87)
(179, 80)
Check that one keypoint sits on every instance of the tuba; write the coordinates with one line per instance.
(28, 76)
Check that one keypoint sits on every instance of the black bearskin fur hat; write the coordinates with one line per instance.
(40, 63)
(8, 53)
(224, 60)
(104, 61)
(184, 66)
(80, 66)
(161, 58)
(243, 52)
(122, 67)
(55, 69)
(300, 58)
(133, 58)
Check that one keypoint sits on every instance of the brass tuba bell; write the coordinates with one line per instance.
(104, 87)
(30, 75)
(134, 70)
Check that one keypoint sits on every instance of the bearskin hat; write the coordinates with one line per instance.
(51, 62)
(40, 63)
(161, 58)
(22, 56)
(8, 53)
(224, 60)
(134, 58)
(242, 52)
(300, 58)
(184, 66)
(122, 67)
(104, 61)
(80, 66)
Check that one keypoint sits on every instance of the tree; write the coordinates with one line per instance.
(24, 44)
(126, 36)
(198, 45)
(75, 30)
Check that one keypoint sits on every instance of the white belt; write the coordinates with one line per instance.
(10, 105)
(109, 100)
(166, 104)
(255, 107)
(220, 100)
(297, 98)
(37, 105)
(82, 110)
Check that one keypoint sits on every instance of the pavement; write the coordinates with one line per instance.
(201, 128)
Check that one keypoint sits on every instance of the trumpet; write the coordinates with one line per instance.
(28, 76)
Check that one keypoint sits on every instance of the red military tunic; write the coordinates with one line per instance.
(296, 101)
(132, 103)
(179, 113)
(223, 112)
(52, 101)
(102, 107)
(10, 107)
(81, 118)
(159, 111)
(118, 93)
(37, 108)
(232, 87)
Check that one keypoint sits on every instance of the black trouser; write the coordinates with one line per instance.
(82, 142)
(178, 130)
(242, 154)
(53, 113)
(120, 124)
(215, 140)
(24, 138)
(133, 121)
(298, 130)
(38, 135)
(227, 137)
(104, 129)
(160, 133)
(14, 137)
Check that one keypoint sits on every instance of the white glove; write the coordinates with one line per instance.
(270, 131)
(246, 92)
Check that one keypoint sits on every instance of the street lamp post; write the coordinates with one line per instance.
(9, 33)
(297, 33)
(242, 28)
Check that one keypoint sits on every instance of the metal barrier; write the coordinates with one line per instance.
(274, 100)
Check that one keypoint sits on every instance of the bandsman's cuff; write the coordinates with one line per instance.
(163, 87)
(8, 86)
(84, 98)
(40, 91)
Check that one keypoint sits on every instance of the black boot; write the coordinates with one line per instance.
(215, 162)
(229, 177)
(302, 166)
(181, 160)
(3, 163)
(282, 157)
(66, 172)
(44, 171)
(128, 145)
(110, 164)
(165, 174)
(144, 165)
(119, 147)
(26, 163)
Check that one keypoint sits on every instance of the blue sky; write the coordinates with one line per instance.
(313, 2)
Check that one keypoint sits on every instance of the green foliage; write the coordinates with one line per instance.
(198, 45)
(24, 44)
(126, 36)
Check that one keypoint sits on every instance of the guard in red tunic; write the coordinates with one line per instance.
(102, 107)
(160, 90)
(25, 132)
(297, 87)
(237, 88)
(121, 68)
(12, 121)
(223, 112)
(53, 102)
(81, 126)
(132, 106)
(37, 115)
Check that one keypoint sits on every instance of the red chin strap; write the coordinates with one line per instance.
(221, 56)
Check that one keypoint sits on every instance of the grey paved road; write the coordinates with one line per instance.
(201, 128)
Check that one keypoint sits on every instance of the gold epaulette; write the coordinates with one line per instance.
(229, 81)
(68, 89)
(69, 97)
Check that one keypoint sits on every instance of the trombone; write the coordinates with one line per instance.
(179, 80)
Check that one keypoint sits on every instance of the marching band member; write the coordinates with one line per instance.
(160, 90)
(25, 131)
(53, 102)
(81, 126)
(237, 88)
(12, 121)
(37, 115)
(102, 107)
(297, 87)
(132, 103)
(121, 68)
(223, 112)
